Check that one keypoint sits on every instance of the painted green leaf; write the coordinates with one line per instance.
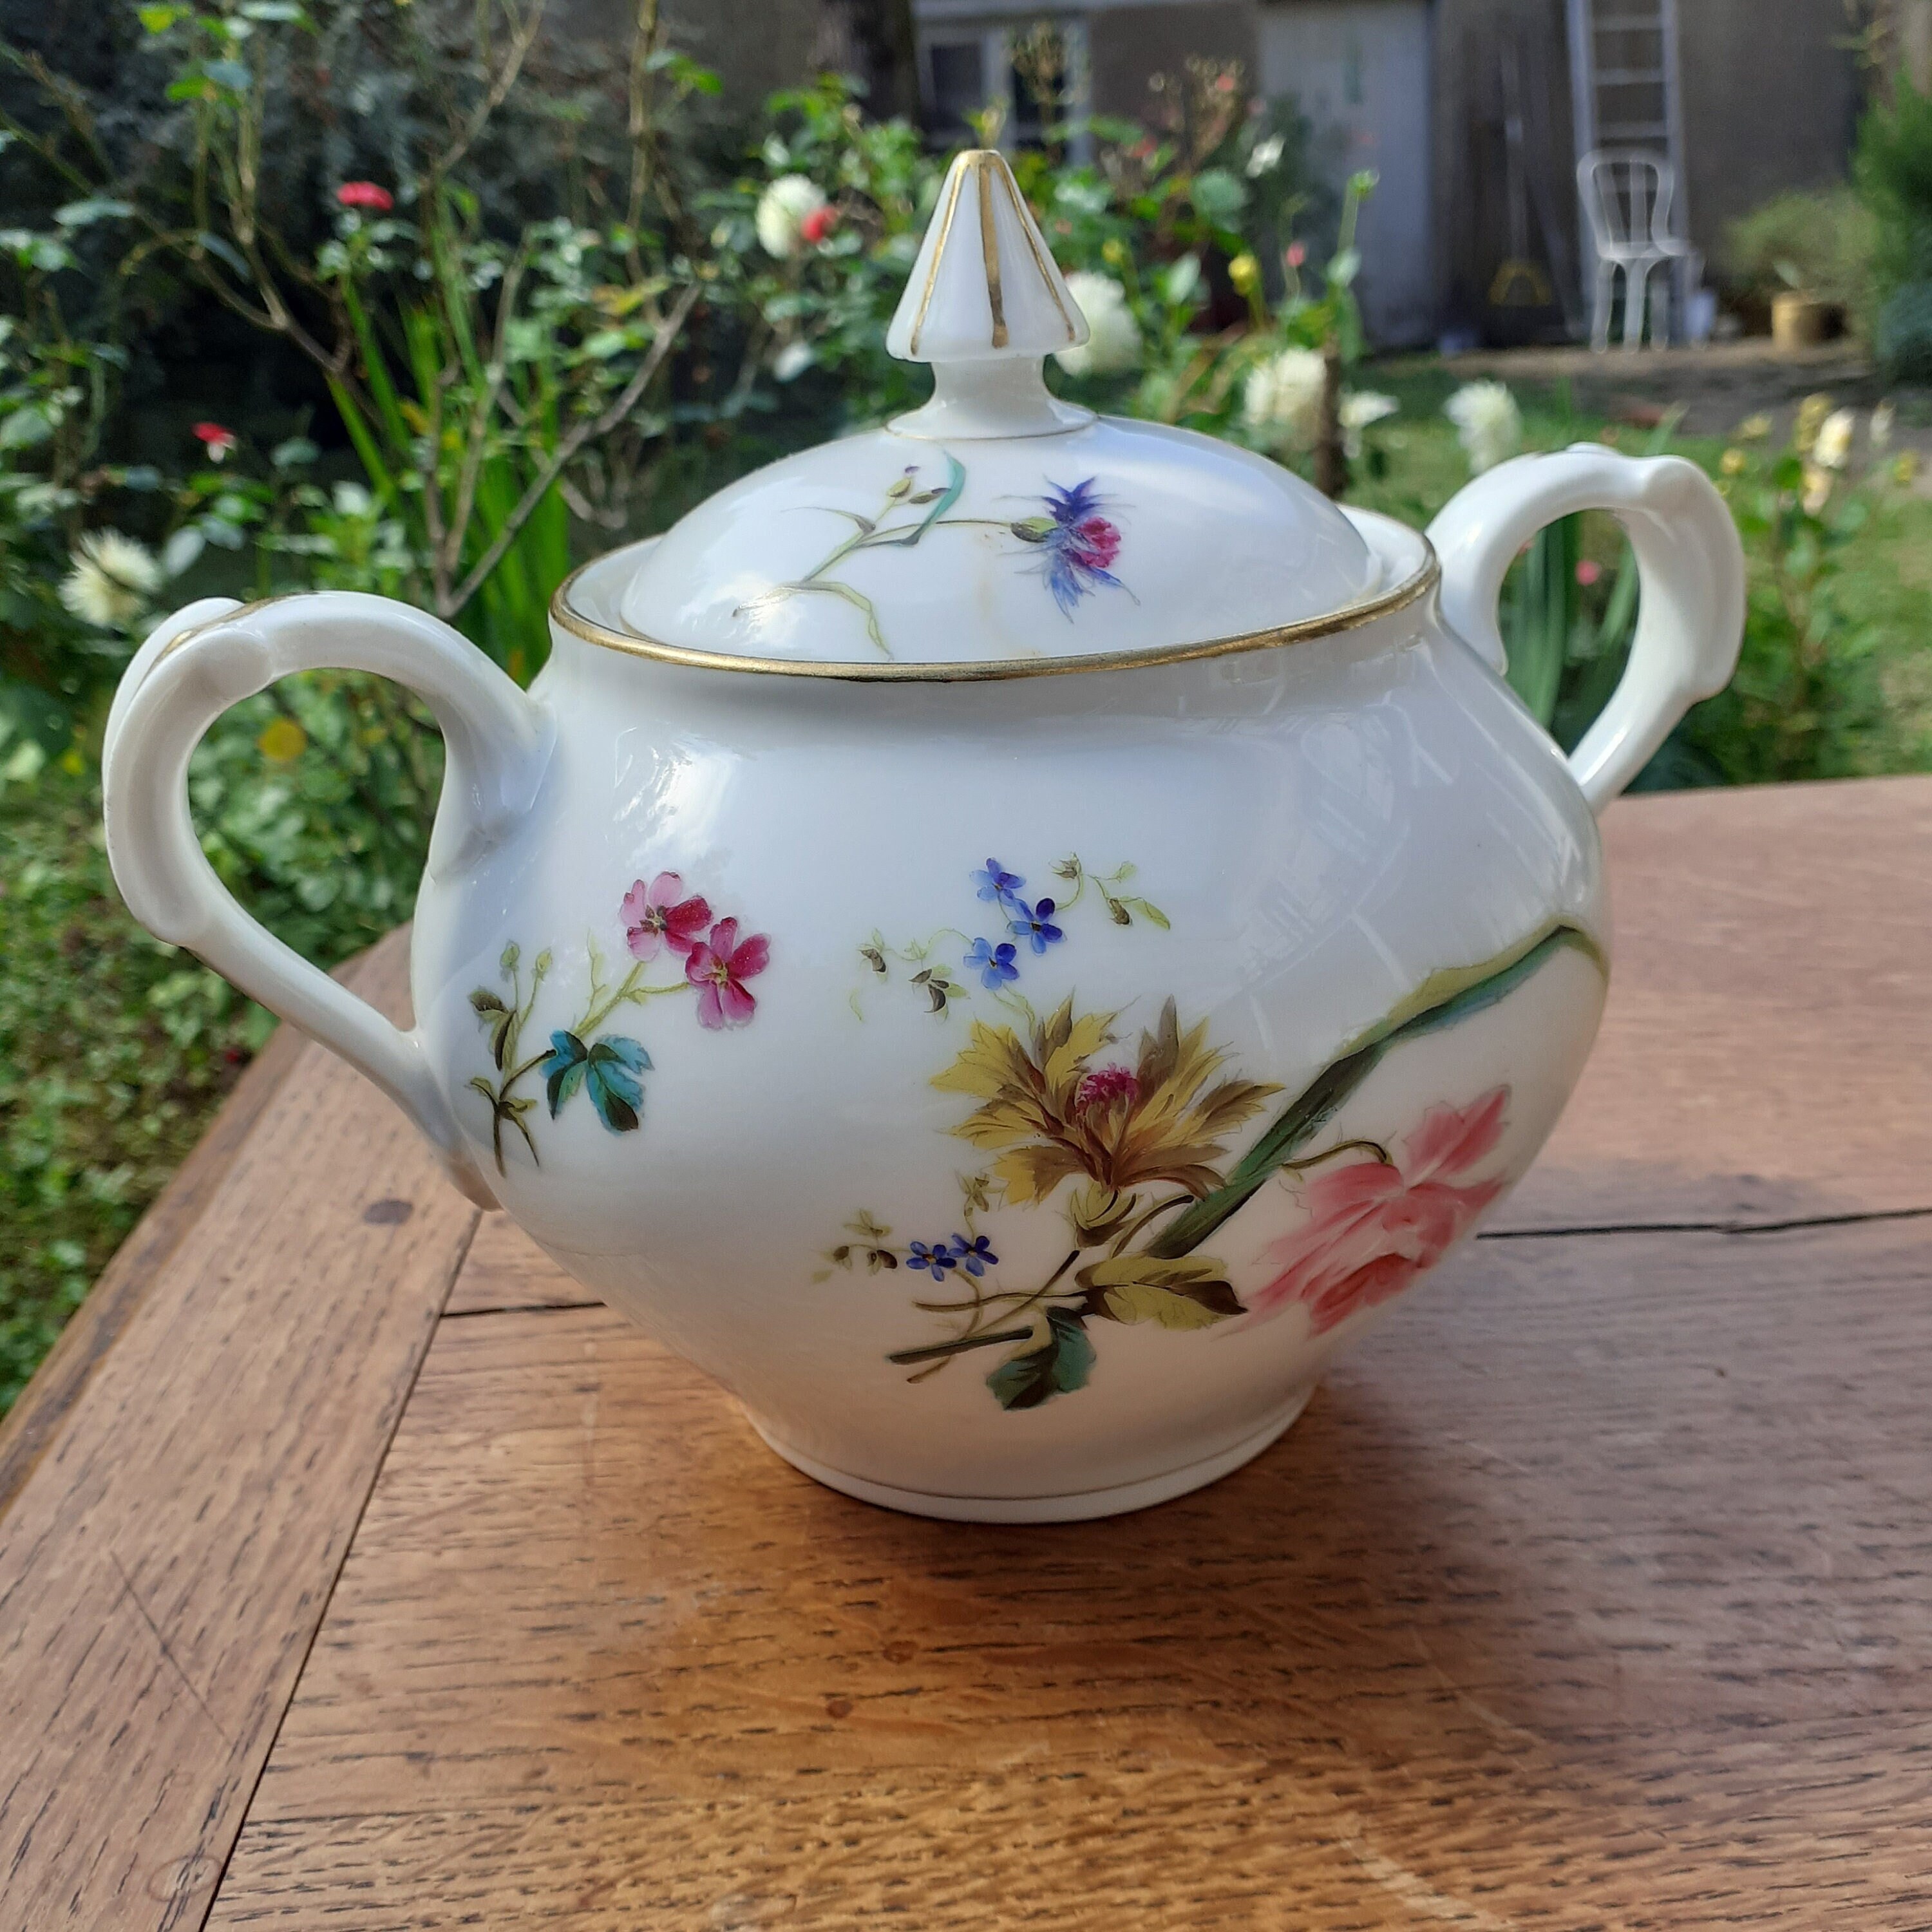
(1058, 1365)
(614, 1069)
(494, 1014)
(564, 1067)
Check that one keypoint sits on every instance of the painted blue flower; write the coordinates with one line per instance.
(994, 964)
(939, 1260)
(998, 885)
(1035, 924)
(975, 1256)
(608, 1069)
(1078, 542)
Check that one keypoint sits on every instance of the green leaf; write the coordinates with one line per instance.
(25, 427)
(1058, 1365)
(96, 207)
(1219, 196)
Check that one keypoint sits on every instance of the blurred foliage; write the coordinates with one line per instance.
(1817, 242)
(113, 1048)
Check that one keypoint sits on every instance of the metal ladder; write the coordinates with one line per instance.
(1624, 78)
(1626, 90)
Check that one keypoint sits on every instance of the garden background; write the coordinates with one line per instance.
(417, 297)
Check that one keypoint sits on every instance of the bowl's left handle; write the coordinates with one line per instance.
(211, 656)
(1690, 579)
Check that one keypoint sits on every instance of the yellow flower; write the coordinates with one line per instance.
(1754, 429)
(1735, 463)
(1051, 1115)
(1817, 489)
(1905, 465)
(282, 741)
(1115, 253)
(1245, 272)
(1811, 414)
(1833, 449)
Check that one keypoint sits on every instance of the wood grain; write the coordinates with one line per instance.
(1595, 1590)
(167, 1559)
(1767, 1049)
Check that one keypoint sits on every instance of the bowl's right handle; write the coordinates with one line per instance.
(1690, 567)
(497, 742)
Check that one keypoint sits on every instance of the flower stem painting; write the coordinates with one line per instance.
(676, 947)
(1015, 928)
(1073, 542)
(1134, 1150)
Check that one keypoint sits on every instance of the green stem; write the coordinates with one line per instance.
(1442, 999)
(939, 1351)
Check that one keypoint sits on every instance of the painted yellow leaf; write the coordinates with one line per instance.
(1191, 1291)
(1136, 1301)
(994, 1061)
(1087, 1035)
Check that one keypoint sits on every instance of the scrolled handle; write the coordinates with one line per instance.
(1690, 573)
(497, 743)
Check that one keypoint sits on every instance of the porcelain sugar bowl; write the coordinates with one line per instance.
(1007, 939)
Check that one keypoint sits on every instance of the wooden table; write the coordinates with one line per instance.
(357, 1571)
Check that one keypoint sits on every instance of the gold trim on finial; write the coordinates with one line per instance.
(981, 165)
(1048, 273)
(932, 267)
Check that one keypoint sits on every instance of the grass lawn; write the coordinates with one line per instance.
(114, 1051)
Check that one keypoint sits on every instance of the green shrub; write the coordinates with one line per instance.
(1893, 169)
(1817, 240)
(113, 1048)
(1903, 339)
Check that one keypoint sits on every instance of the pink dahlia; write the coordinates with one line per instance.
(365, 194)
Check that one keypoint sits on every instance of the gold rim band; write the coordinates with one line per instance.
(1350, 617)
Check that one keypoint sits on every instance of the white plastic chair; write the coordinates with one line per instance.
(1628, 194)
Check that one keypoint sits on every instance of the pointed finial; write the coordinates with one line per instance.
(985, 290)
(984, 284)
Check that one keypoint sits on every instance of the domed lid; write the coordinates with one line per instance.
(996, 522)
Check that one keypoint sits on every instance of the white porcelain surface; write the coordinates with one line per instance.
(971, 590)
(1014, 1089)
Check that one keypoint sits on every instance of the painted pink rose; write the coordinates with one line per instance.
(718, 967)
(1373, 1228)
(659, 915)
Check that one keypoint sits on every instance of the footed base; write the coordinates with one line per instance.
(1078, 1507)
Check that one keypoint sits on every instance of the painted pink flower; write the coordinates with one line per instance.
(818, 224)
(1105, 1085)
(718, 967)
(1588, 571)
(659, 915)
(1373, 1228)
(1296, 254)
(217, 439)
(365, 194)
